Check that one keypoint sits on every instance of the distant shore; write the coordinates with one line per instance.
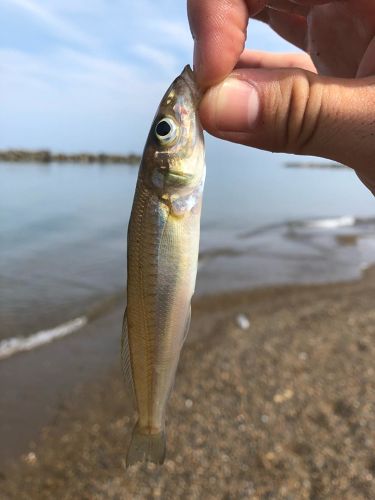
(45, 156)
(313, 164)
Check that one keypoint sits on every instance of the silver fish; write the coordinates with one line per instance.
(163, 244)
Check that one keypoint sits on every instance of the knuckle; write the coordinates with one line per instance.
(303, 113)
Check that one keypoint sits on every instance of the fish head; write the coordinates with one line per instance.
(173, 159)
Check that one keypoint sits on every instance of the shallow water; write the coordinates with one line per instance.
(63, 231)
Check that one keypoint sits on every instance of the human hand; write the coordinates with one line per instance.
(320, 103)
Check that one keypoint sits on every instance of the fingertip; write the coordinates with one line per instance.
(219, 32)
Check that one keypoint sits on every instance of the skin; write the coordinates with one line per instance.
(163, 241)
(319, 103)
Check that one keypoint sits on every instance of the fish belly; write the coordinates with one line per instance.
(162, 264)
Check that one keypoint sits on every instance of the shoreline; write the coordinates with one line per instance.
(46, 157)
(69, 388)
(101, 306)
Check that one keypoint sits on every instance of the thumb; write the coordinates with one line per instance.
(295, 111)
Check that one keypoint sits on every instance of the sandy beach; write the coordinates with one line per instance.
(283, 409)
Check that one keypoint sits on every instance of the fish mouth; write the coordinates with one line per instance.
(188, 76)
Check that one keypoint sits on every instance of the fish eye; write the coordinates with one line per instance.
(166, 130)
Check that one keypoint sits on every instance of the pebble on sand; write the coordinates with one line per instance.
(242, 321)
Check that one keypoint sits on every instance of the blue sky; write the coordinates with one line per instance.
(88, 75)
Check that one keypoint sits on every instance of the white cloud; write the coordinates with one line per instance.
(54, 23)
(70, 100)
(76, 6)
(157, 57)
(88, 81)
(173, 33)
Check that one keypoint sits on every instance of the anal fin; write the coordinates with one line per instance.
(187, 325)
(126, 360)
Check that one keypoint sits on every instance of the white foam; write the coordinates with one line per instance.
(11, 346)
(343, 221)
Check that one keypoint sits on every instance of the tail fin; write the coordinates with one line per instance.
(146, 448)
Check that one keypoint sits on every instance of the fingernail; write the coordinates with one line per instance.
(234, 105)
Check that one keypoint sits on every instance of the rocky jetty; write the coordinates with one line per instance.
(45, 156)
(314, 164)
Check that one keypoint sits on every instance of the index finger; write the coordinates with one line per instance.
(219, 32)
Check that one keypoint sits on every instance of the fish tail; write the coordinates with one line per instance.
(146, 447)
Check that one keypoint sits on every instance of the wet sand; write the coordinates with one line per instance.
(284, 409)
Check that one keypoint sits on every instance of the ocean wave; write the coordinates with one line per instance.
(310, 223)
(9, 347)
(326, 223)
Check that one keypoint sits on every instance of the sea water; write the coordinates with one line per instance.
(63, 231)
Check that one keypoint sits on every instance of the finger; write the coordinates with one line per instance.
(219, 32)
(262, 15)
(273, 60)
(295, 111)
(288, 7)
(367, 65)
(368, 181)
(311, 3)
(291, 27)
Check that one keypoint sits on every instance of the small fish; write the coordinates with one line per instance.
(163, 244)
